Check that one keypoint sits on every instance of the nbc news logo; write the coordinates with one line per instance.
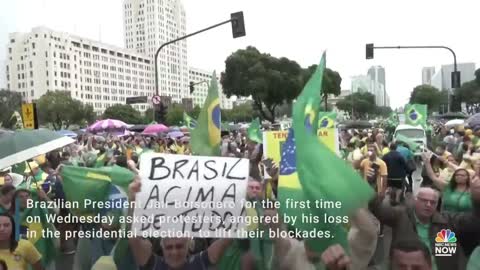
(445, 243)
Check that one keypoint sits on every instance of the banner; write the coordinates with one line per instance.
(327, 131)
(191, 196)
(274, 140)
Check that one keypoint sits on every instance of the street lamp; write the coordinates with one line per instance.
(455, 74)
(238, 30)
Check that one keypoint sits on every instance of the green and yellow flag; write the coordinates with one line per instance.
(254, 132)
(412, 145)
(416, 114)
(323, 176)
(190, 123)
(206, 137)
(95, 184)
(46, 246)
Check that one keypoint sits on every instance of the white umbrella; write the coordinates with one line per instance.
(27, 144)
(454, 123)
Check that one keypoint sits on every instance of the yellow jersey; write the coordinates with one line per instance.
(24, 255)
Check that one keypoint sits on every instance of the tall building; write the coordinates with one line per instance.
(427, 74)
(203, 77)
(150, 23)
(443, 77)
(93, 72)
(364, 83)
(377, 74)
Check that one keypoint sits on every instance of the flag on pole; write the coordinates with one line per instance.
(322, 175)
(95, 184)
(254, 132)
(414, 146)
(416, 114)
(44, 245)
(189, 121)
(206, 137)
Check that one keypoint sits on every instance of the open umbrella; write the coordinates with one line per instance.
(175, 134)
(26, 144)
(67, 133)
(107, 125)
(137, 128)
(454, 123)
(473, 120)
(154, 129)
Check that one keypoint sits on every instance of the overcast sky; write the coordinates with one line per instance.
(299, 30)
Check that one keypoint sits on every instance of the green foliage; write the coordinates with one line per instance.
(270, 81)
(175, 115)
(60, 110)
(358, 104)
(469, 92)
(331, 84)
(383, 111)
(123, 112)
(9, 102)
(241, 113)
(426, 94)
(148, 116)
(195, 112)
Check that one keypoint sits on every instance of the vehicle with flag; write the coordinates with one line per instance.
(414, 134)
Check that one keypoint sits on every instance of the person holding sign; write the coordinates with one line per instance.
(175, 250)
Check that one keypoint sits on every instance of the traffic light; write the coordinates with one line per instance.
(161, 113)
(369, 51)
(238, 24)
(192, 87)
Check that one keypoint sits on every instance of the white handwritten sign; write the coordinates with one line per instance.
(191, 196)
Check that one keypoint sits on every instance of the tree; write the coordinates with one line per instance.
(426, 94)
(469, 93)
(358, 104)
(174, 115)
(59, 109)
(241, 113)
(383, 111)
(123, 112)
(268, 80)
(195, 112)
(331, 82)
(148, 116)
(9, 103)
(477, 76)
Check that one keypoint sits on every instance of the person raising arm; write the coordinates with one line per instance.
(175, 250)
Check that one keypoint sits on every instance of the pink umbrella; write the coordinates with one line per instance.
(154, 129)
(107, 125)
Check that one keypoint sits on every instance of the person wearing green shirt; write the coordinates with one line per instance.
(455, 191)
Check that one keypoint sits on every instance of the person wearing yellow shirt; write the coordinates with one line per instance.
(17, 255)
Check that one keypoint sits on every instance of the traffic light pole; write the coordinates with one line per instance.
(457, 77)
(178, 39)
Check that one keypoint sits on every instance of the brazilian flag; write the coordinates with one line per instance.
(206, 137)
(44, 245)
(322, 175)
(254, 132)
(189, 121)
(416, 114)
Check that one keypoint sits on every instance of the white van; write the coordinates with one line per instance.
(415, 133)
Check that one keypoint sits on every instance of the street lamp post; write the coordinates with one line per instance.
(238, 30)
(455, 77)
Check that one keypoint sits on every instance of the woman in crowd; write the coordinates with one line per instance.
(17, 255)
(456, 192)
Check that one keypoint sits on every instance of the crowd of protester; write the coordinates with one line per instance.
(397, 230)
